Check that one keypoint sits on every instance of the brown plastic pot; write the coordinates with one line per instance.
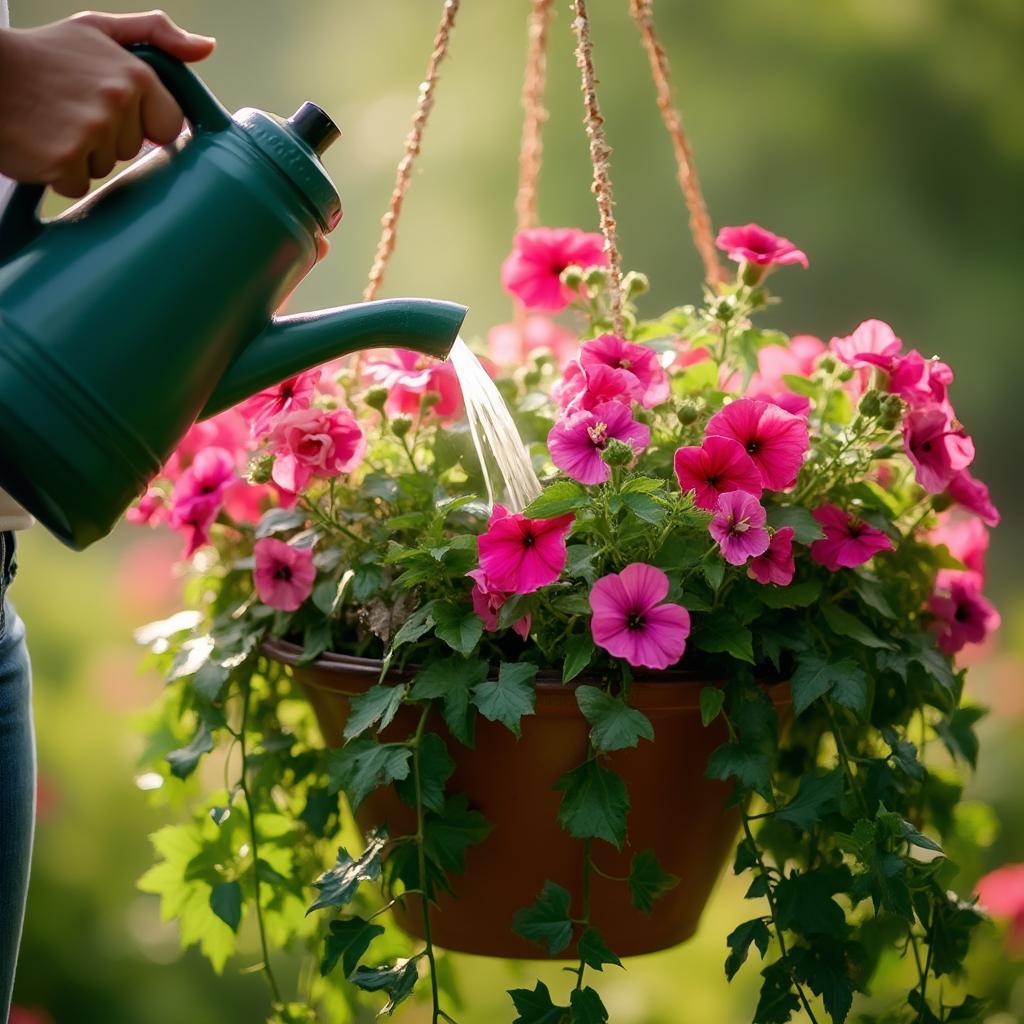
(675, 810)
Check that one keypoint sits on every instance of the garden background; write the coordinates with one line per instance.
(884, 138)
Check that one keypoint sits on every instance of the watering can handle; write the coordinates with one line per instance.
(19, 220)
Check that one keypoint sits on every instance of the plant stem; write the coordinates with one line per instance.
(253, 841)
(586, 906)
(844, 757)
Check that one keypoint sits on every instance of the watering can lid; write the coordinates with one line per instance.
(295, 146)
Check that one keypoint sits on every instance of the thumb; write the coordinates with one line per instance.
(154, 27)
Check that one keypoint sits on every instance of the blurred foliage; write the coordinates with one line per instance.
(884, 138)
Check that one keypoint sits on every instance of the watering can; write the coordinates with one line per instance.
(150, 304)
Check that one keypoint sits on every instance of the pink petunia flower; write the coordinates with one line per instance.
(198, 496)
(788, 401)
(631, 622)
(937, 446)
(973, 495)
(718, 466)
(576, 442)
(531, 272)
(848, 541)
(264, 409)
(227, 430)
(752, 243)
(408, 376)
(872, 343)
(776, 565)
(738, 526)
(776, 440)
(1001, 894)
(511, 346)
(967, 541)
(283, 574)
(315, 442)
(919, 381)
(149, 510)
(584, 387)
(638, 360)
(487, 602)
(962, 615)
(521, 555)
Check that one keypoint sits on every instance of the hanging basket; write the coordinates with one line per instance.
(675, 811)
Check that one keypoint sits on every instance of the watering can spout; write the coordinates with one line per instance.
(294, 343)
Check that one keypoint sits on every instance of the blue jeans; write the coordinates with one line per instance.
(17, 777)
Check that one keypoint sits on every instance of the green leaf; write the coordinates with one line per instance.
(806, 528)
(509, 697)
(816, 676)
(958, 733)
(915, 838)
(450, 833)
(420, 622)
(615, 724)
(714, 573)
(363, 764)
(183, 761)
(648, 881)
(644, 507)
(226, 903)
(827, 967)
(642, 485)
(459, 628)
(594, 952)
(279, 520)
(777, 1001)
(711, 700)
(585, 1007)
(535, 1006)
(338, 885)
(209, 681)
(347, 940)
(436, 767)
(932, 660)
(814, 796)
(803, 903)
(796, 595)
(845, 624)
(398, 981)
(557, 499)
(739, 942)
(724, 633)
(547, 921)
(378, 704)
(750, 768)
(578, 652)
(595, 803)
(366, 581)
(452, 679)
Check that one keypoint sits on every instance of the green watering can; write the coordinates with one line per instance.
(150, 304)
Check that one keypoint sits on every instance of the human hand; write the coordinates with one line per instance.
(73, 101)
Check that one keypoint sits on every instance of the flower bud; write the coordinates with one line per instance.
(751, 273)
(827, 363)
(635, 283)
(258, 470)
(376, 397)
(532, 377)
(870, 404)
(846, 375)
(401, 425)
(618, 453)
(428, 400)
(724, 308)
(595, 277)
(892, 411)
(572, 276)
(689, 412)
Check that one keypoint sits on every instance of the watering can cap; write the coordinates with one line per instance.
(294, 146)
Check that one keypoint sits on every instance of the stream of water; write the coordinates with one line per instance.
(504, 459)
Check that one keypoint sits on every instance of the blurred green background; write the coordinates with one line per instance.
(886, 139)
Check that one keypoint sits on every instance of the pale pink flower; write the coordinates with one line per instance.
(227, 430)
(848, 541)
(149, 510)
(797, 359)
(246, 502)
(631, 621)
(776, 565)
(576, 441)
(487, 602)
(967, 541)
(586, 387)
(408, 376)
(283, 574)
(775, 439)
(263, 409)
(531, 272)
(752, 243)
(510, 346)
(521, 555)
(1001, 894)
(315, 442)
(962, 615)
(718, 466)
(738, 526)
(937, 446)
(872, 343)
(973, 495)
(640, 361)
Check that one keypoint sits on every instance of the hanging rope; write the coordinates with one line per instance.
(686, 171)
(600, 152)
(534, 114)
(413, 142)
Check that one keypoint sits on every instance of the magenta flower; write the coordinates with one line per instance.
(848, 541)
(149, 510)
(521, 555)
(638, 360)
(409, 376)
(576, 442)
(872, 343)
(630, 621)
(718, 466)
(973, 495)
(510, 345)
(919, 381)
(226, 430)
(962, 615)
(752, 243)
(1001, 894)
(531, 272)
(315, 442)
(264, 409)
(788, 401)
(776, 565)
(283, 574)
(198, 495)
(937, 446)
(487, 603)
(738, 526)
(586, 387)
(775, 439)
